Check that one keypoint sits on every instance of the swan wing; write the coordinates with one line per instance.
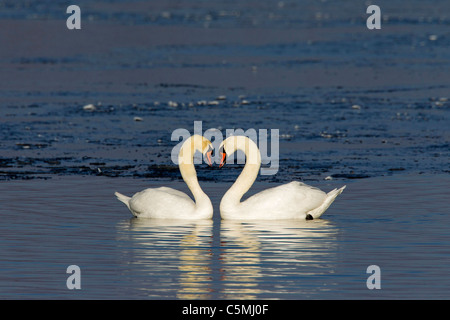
(287, 201)
(161, 203)
(174, 192)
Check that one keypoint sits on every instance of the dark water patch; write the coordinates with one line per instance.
(31, 145)
(45, 60)
(183, 85)
(27, 168)
(397, 169)
(342, 97)
(350, 175)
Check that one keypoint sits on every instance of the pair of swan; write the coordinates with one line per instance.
(294, 200)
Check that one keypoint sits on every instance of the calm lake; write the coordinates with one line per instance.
(85, 113)
(400, 224)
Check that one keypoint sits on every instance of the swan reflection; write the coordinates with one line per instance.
(269, 259)
(253, 259)
(169, 255)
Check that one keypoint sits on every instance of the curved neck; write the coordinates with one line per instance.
(187, 170)
(250, 172)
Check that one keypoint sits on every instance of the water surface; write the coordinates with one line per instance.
(49, 225)
(364, 108)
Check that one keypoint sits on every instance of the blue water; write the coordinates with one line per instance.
(395, 223)
(364, 108)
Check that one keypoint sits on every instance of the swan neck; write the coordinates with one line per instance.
(187, 170)
(248, 175)
(190, 178)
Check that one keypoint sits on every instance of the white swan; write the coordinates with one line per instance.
(294, 200)
(168, 203)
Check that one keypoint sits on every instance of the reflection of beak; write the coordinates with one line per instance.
(223, 158)
(208, 158)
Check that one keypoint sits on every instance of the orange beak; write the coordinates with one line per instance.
(223, 158)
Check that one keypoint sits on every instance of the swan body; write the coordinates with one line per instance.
(294, 200)
(168, 203)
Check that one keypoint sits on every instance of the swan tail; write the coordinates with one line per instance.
(123, 198)
(331, 196)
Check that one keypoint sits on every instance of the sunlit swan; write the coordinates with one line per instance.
(294, 200)
(168, 203)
